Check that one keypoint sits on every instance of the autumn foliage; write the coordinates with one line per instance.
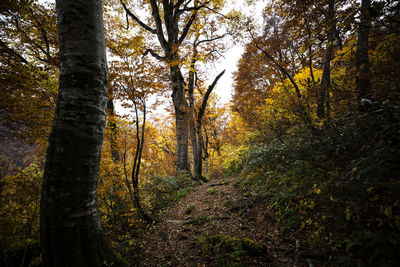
(302, 133)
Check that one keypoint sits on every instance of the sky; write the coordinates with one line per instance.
(224, 87)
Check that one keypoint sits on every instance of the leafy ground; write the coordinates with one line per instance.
(216, 224)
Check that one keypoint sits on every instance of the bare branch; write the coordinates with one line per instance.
(154, 54)
(207, 95)
(186, 29)
(144, 26)
(210, 40)
(180, 2)
(160, 34)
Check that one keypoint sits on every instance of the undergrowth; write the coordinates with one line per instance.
(126, 233)
(339, 188)
(228, 251)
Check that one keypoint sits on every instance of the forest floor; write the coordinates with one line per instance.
(211, 226)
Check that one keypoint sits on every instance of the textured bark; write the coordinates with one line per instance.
(192, 121)
(71, 234)
(363, 82)
(323, 94)
(181, 119)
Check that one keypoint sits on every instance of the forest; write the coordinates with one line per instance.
(117, 150)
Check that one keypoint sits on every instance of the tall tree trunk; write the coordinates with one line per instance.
(137, 162)
(193, 114)
(170, 36)
(181, 119)
(198, 170)
(115, 155)
(194, 143)
(323, 94)
(198, 157)
(70, 229)
(363, 82)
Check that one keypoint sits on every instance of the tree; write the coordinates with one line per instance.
(171, 24)
(197, 114)
(323, 96)
(71, 233)
(196, 127)
(28, 69)
(363, 82)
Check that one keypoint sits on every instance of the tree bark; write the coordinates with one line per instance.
(170, 36)
(198, 157)
(323, 94)
(137, 162)
(363, 82)
(193, 113)
(181, 119)
(70, 229)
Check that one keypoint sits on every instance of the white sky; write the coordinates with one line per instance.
(224, 87)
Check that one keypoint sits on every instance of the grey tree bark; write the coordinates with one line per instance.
(181, 120)
(70, 229)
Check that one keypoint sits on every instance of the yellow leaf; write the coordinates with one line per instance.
(388, 212)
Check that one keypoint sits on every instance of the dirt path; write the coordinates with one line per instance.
(206, 227)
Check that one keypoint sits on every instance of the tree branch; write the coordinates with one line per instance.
(207, 95)
(210, 40)
(280, 67)
(144, 26)
(186, 29)
(154, 54)
(160, 34)
(23, 60)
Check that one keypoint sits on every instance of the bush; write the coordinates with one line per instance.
(338, 186)
(160, 191)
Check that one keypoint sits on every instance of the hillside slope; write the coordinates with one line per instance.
(215, 224)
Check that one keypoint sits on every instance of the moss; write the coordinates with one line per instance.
(231, 243)
(231, 249)
(212, 191)
(252, 246)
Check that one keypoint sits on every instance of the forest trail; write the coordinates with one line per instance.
(207, 227)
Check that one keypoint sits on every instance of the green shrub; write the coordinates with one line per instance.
(339, 185)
